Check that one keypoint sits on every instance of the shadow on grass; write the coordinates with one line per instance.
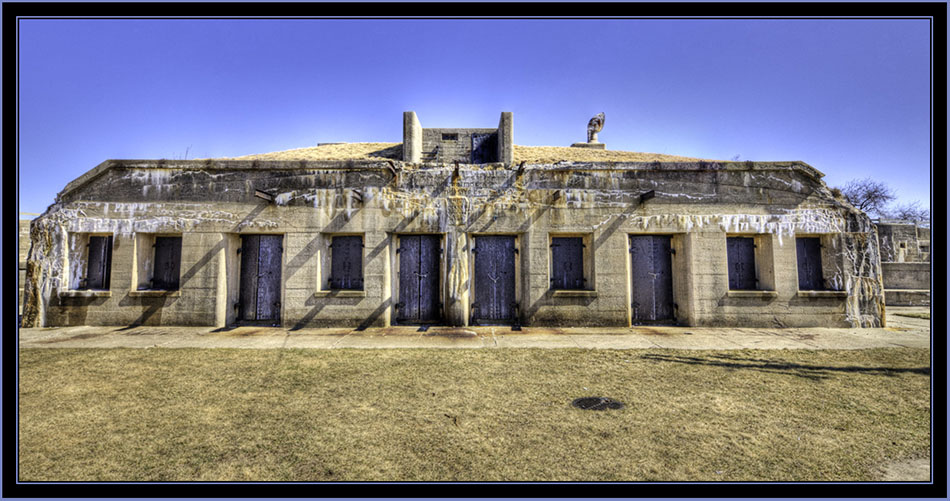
(814, 372)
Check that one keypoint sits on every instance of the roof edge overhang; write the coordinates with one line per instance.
(385, 163)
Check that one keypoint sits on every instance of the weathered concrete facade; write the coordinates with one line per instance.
(23, 249)
(691, 208)
(905, 262)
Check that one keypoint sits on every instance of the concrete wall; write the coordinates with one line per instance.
(194, 304)
(923, 243)
(23, 247)
(900, 243)
(211, 203)
(437, 149)
(906, 275)
(905, 297)
(429, 145)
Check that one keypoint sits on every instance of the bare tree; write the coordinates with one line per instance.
(907, 212)
(868, 195)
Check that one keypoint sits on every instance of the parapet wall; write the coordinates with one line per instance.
(906, 275)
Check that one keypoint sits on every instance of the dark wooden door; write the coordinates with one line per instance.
(809, 264)
(652, 278)
(484, 148)
(260, 277)
(419, 261)
(494, 280)
(741, 259)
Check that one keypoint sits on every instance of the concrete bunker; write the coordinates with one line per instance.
(377, 234)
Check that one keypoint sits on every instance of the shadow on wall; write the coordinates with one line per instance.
(393, 152)
(547, 299)
(776, 366)
(75, 309)
(374, 316)
(151, 311)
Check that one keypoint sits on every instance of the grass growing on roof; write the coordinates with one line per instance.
(230, 414)
(529, 154)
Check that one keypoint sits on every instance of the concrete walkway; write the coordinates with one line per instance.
(901, 331)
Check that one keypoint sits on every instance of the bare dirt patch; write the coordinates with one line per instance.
(912, 470)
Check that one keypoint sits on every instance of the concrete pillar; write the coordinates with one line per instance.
(505, 135)
(411, 137)
(458, 280)
(387, 293)
(221, 284)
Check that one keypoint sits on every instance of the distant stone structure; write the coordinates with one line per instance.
(594, 126)
(452, 229)
(905, 262)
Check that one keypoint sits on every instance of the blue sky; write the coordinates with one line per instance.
(849, 97)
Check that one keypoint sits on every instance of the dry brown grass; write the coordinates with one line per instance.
(226, 414)
(342, 151)
(530, 154)
(552, 154)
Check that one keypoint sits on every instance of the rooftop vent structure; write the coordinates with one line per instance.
(468, 145)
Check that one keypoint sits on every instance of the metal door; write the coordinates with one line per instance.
(419, 279)
(484, 148)
(260, 277)
(740, 252)
(652, 278)
(809, 264)
(494, 280)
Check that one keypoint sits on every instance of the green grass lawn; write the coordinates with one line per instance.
(500, 414)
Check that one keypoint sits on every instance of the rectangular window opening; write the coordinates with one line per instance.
(346, 263)
(99, 264)
(450, 136)
(167, 264)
